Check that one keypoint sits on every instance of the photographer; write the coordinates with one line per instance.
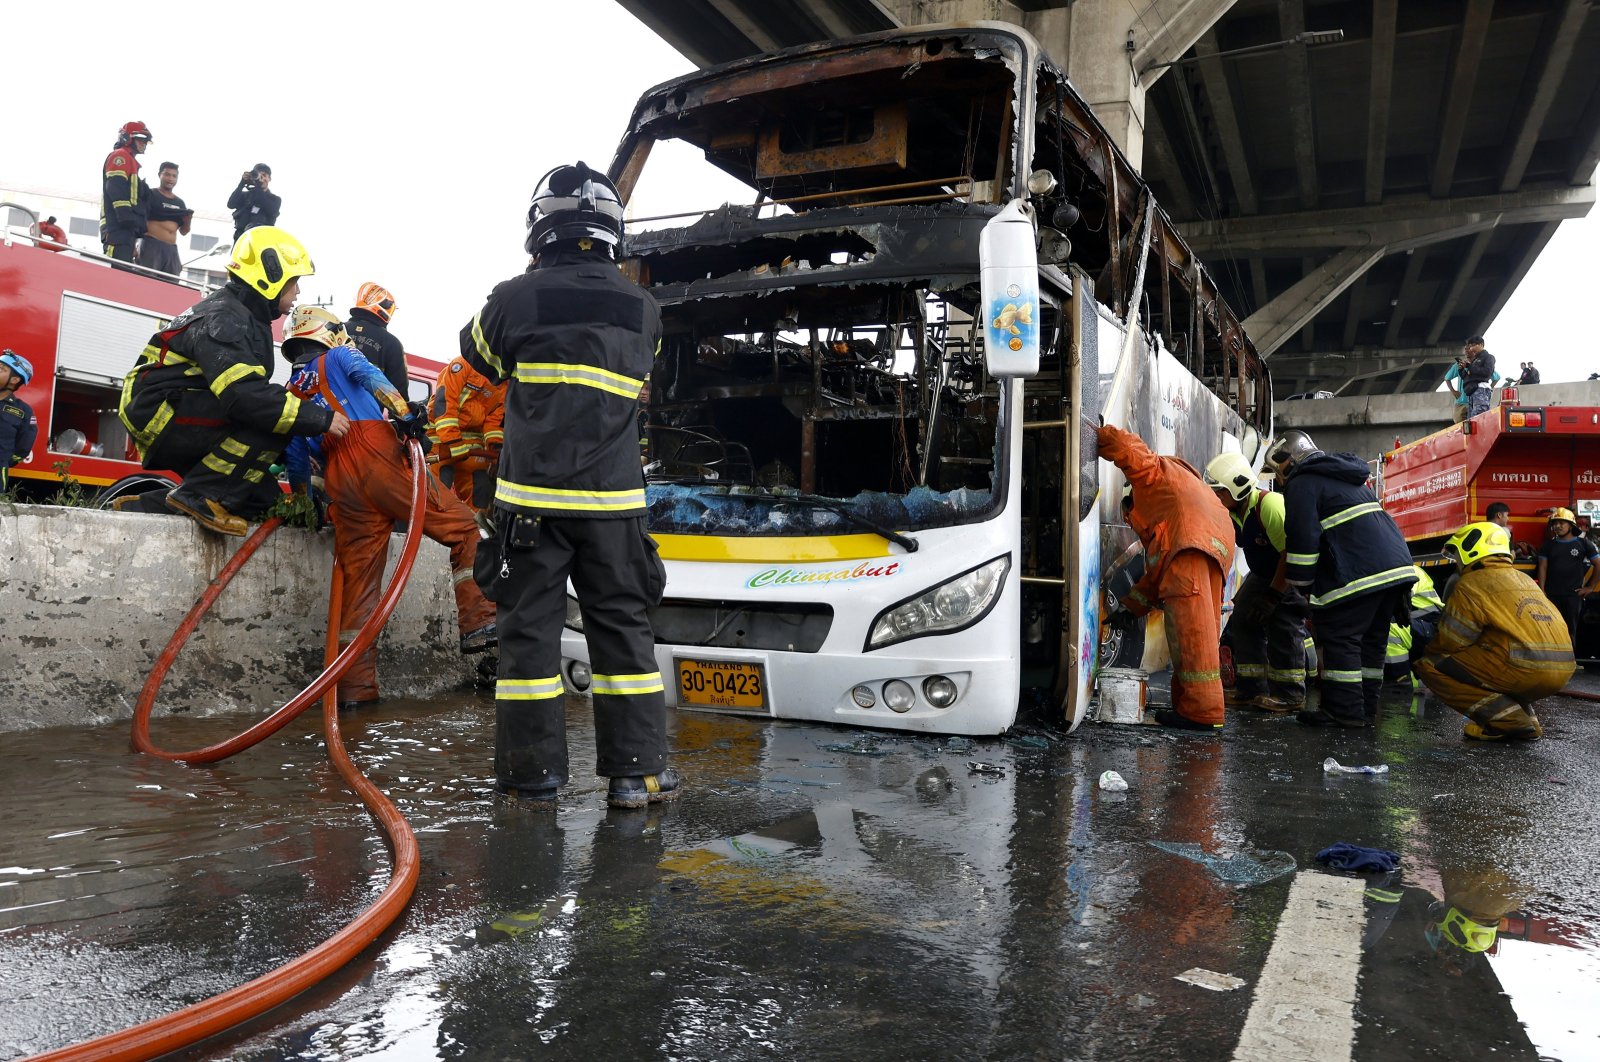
(252, 202)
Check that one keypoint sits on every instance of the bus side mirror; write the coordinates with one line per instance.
(1008, 268)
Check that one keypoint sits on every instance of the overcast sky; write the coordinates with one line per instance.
(405, 149)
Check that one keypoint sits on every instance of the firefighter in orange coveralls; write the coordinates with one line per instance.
(368, 484)
(1501, 644)
(1188, 548)
(466, 417)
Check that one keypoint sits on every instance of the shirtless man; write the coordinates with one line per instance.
(167, 219)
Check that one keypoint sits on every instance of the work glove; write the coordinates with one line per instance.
(1260, 608)
(1121, 616)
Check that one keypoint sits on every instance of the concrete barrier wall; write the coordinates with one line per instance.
(88, 598)
(1368, 425)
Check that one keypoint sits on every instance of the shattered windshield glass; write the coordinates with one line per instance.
(883, 419)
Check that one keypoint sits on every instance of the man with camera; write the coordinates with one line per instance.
(252, 202)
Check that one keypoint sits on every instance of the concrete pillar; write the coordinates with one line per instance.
(1112, 50)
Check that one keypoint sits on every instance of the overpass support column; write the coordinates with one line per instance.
(1285, 315)
(1112, 50)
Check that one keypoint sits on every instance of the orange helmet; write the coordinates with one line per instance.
(375, 299)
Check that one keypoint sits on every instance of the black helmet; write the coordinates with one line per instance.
(574, 203)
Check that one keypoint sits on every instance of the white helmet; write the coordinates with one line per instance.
(1232, 473)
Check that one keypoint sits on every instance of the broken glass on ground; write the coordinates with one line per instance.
(1246, 867)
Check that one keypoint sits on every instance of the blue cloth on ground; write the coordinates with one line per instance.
(1346, 856)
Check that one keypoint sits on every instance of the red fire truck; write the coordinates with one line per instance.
(1532, 458)
(82, 324)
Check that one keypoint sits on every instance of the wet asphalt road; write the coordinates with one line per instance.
(819, 893)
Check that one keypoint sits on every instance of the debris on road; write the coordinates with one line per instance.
(1333, 766)
(1254, 867)
(979, 767)
(1216, 982)
(1112, 782)
(1346, 856)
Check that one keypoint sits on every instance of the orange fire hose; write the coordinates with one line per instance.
(194, 1023)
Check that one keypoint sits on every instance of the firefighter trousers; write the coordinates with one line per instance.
(1191, 603)
(1353, 635)
(368, 484)
(617, 576)
(1503, 703)
(1269, 655)
(472, 478)
(228, 463)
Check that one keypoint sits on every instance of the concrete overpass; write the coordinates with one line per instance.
(1367, 204)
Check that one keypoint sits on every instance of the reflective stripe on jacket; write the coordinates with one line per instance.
(1339, 540)
(577, 339)
(1173, 510)
(221, 345)
(1508, 622)
(467, 412)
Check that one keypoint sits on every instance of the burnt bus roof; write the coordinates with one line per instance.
(937, 71)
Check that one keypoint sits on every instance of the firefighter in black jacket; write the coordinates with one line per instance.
(200, 401)
(1349, 553)
(368, 331)
(576, 339)
(122, 193)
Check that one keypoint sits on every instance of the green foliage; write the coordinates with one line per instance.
(296, 510)
(71, 491)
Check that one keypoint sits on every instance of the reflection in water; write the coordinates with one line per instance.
(802, 902)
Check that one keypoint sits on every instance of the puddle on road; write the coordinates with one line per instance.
(808, 897)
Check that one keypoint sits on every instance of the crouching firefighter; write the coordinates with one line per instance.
(1268, 628)
(575, 338)
(1188, 547)
(1501, 645)
(366, 477)
(201, 403)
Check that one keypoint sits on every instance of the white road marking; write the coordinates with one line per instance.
(1304, 1006)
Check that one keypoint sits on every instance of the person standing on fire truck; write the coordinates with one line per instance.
(123, 192)
(200, 401)
(368, 484)
(1188, 549)
(576, 338)
(466, 424)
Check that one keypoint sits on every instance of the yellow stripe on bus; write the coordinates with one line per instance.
(762, 550)
(22, 473)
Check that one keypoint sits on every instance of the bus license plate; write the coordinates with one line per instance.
(722, 684)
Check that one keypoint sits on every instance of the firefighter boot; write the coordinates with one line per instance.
(480, 641)
(1506, 728)
(638, 792)
(207, 513)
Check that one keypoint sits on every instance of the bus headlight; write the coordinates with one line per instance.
(939, 690)
(898, 695)
(574, 620)
(949, 607)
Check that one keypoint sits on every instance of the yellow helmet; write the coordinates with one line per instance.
(267, 258)
(1232, 473)
(1563, 514)
(1476, 541)
(316, 324)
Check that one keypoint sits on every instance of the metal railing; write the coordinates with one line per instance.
(13, 234)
